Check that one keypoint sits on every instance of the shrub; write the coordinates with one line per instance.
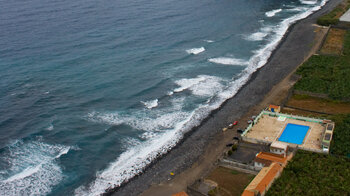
(326, 21)
(229, 152)
(234, 147)
(212, 192)
(340, 144)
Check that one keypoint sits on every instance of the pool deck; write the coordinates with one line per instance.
(269, 129)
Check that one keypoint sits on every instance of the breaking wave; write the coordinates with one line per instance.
(260, 35)
(228, 61)
(150, 104)
(308, 2)
(32, 168)
(202, 85)
(195, 50)
(272, 12)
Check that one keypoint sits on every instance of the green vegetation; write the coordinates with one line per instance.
(327, 20)
(234, 172)
(327, 74)
(332, 17)
(212, 192)
(340, 144)
(234, 147)
(314, 174)
(229, 152)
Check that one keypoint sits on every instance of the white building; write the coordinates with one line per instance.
(278, 147)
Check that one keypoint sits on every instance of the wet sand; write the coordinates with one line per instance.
(197, 153)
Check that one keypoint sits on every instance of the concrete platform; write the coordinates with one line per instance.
(345, 17)
(269, 129)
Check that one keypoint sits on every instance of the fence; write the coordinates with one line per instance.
(312, 150)
(239, 166)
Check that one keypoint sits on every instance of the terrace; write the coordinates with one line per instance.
(306, 133)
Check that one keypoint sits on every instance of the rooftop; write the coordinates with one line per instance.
(263, 180)
(274, 106)
(180, 194)
(267, 158)
(279, 145)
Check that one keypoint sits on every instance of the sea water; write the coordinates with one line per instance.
(93, 91)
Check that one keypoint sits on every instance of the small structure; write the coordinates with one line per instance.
(327, 138)
(278, 147)
(274, 108)
(344, 20)
(263, 181)
(183, 193)
(264, 159)
(345, 17)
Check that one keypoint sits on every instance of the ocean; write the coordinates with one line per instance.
(91, 92)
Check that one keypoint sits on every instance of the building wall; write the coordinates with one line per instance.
(277, 151)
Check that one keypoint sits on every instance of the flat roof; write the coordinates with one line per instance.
(183, 193)
(267, 157)
(327, 136)
(330, 127)
(274, 106)
(279, 145)
(345, 17)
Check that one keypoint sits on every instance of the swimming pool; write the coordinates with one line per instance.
(293, 133)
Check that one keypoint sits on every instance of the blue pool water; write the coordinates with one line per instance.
(294, 133)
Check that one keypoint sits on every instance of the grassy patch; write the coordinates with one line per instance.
(319, 104)
(333, 44)
(332, 17)
(314, 174)
(327, 74)
(234, 172)
(230, 182)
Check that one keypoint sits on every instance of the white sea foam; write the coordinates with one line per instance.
(209, 41)
(187, 83)
(308, 2)
(195, 50)
(202, 85)
(157, 121)
(257, 36)
(50, 127)
(32, 168)
(130, 163)
(297, 9)
(228, 61)
(272, 12)
(260, 35)
(148, 135)
(135, 159)
(150, 104)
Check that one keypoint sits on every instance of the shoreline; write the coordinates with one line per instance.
(197, 152)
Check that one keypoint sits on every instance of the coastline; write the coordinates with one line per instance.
(197, 152)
